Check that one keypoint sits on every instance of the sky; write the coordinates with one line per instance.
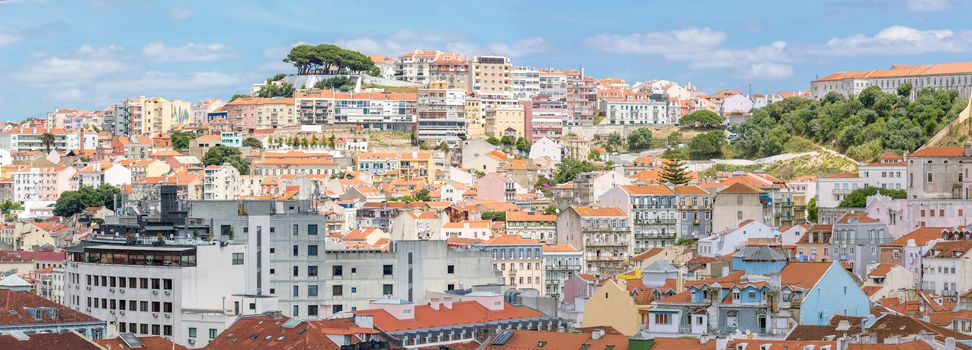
(91, 53)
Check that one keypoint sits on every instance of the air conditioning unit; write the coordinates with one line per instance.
(121, 291)
(168, 316)
(111, 290)
(88, 287)
(122, 313)
(112, 312)
(155, 292)
(168, 292)
(192, 341)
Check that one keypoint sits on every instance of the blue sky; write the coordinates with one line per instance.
(89, 54)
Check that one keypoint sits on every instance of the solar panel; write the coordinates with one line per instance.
(131, 340)
(19, 335)
(291, 323)
(502, 338)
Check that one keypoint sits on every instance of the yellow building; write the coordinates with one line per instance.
(520, 261)
(492, 76)
(157, 115)
(505, 120)
(475, 121)
(611, 305)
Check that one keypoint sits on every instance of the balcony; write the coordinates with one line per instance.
(605, 258)
(606, 243)
(604, 229)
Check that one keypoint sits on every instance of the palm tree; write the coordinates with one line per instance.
(47, 139)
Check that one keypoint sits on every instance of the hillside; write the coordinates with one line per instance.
(816, 164)
(957, 133)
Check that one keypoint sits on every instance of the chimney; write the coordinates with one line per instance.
(967, 149)
(435, 304)
(950, 341)
(447, 302)
(721, 343)
(598, 333)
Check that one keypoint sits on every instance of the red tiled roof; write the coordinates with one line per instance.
(267, 332)
(48, 341)
(741, 188)
(149, 343)
(599, 211)
(880, 271)
(646, 254)
(559, 340)
(859, 217)
(803, 274)
(921, 236)
(509, 240)
(13, 305)
(461, 313)
(939, 152)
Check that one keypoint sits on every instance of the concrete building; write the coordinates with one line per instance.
(561, 261)
(736, 204)
(694, 213)
(221, 182)
(505, 121)
(652, 209)
(638, 110)
(450, 69)
(416, 66)
(441, 114)
(519, 260)
(888, 172)
(602, 233)
(533, 226)
(946, 265)
(248, 113)
(526, 82)
(22, 139)
(157, 115)
(546, 147)
(938, 173)
(370, 110)
(491, 76)
(545, 118)
(590, 186)
(731, 239)
(944, 76)
(856, 240)
(581, 98)
(908, 250)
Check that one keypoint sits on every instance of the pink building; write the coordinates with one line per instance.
(905, 215)
(545, 118)
(491, 187)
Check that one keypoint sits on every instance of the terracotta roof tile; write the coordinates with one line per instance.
(921, 236)
(461, 313)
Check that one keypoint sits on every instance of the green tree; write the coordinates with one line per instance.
(545, 184)
(252, 142)
(858, 197)
(276, 89)
(674, 171)
(707, 145)
(493, 215)
(73, 202)
(493, 141)
(507, 140)
(568, 169)
(180, 140)
(595, 155)
(331, 141)
(674, 139)
(904, 90)
(701, 118)
(423, 195)
(640, 139)
(812, 210)
(314, 141)
(219, 155)
(236, 96)
(336, 83)
(522, 145)
(551, 210)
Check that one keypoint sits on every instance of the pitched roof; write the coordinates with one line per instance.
(524, 216)
(921, 236)
(555, 248)
(689, 190)
(461, 313)
(269, 332)
(949, 249)
(652, 189)
(148, 343)
(13, 307)
(510, 240)
(48, 341)
(803, 274)
(647, 254)
(523, 339)
(939, 152)
(858, 217)
(599, 211)
(880, 271)
(741, 188)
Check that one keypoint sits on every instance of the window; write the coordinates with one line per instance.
(312, 271)
(739, 215)
(167, 307)
(311, 310)
(167, 284)
(451, 269)
(143, 306)
(386, 270)
(156, 306)
(143, 283)
(156, 330)
(143, 328)
(296, 229)
(296, 311)
(296, 271)
(752, 295)
(212, 333)
(337, 290)
(296, 290)
(312, 291)
(337, 270)
(237, 258)
(296, 250)
(312, 229)
(663, 318)
(929, 177)
(387, 289)
(337, 308)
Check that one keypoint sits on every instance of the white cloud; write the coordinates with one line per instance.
(927, 5)
(9, 34)
(899, 40)
(729, 58)
(155, 82)
(691, 40)
(520, 47)
(769, 71)
(178, 14)
(85, 64)
(190, 52)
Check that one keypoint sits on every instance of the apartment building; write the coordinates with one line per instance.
(519, 260)
(416, 66)
(248, 113)
(581, 98)
(652, 209)
(441, 113)
(450, 69)
(180, 292)
(157, 115)
(545, 117)
(533, 226)
(526, 83)
(735, 204)
(505, 121)
(638, 109)
(201, 109)
(410, 270)
(561, 261)
(856, 240)
(943, 76)
(41, 183)
(553, 83)
(221, 182)
(492, 76)
(603, 234)
(946, 266)
(370, 110)
(24, 139)
(694, 215)
(888, 172)
(938, 173)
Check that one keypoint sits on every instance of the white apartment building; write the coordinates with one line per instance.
(29, 139)
(946, 267)
(416, 66)
(180, 292)
(370, 110)
(526, 83)
(553, 83)
(638, 111)
(221, 182)
(944, 76)
(888, 172)
(441, 113)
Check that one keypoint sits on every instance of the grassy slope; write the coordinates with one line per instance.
(823, 164)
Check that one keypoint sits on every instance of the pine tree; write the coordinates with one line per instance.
(674, 171)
